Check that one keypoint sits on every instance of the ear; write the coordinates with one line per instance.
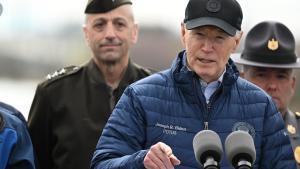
(135, 33)
(294, 84)
(242, 74)
(183, 34)
(237, 39)
(86, 36)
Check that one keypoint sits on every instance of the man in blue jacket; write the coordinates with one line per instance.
(156, 119)
(16, 151)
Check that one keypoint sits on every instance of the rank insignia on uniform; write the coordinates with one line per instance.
(291, 129)
(50, 76)
(56, 73)
(273, 44)
(297, 154)
(297, 114)
(62, 72)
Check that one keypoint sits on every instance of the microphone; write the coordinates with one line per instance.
(240, 150)
(208, 149)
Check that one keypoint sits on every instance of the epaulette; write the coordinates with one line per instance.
(146, 70)
(62, 72)
(297, 114)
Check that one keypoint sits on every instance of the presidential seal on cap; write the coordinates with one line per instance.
(224, 14)
(269, 44)
(102, 6)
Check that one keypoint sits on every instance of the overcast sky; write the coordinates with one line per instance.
(36, 15)
(22, 16)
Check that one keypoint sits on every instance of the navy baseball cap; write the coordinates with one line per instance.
(102, 6)
(224, 14)
(269, 44)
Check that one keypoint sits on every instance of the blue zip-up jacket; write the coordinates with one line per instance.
(170, 107)
(16, 151)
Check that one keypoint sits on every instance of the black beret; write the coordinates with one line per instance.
(102, 6)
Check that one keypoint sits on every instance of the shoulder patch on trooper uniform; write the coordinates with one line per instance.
(297, 114)
(291, 129)
(62, 72)
(297, 154)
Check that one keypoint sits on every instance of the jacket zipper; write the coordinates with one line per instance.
(205, 114)
(208, 106)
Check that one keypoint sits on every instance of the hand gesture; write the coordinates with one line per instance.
(160, 156)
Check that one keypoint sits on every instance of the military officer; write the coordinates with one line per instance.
(72, 106)
(268, 60)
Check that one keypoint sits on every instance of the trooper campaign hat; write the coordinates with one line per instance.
(269, 44)
(102, 6)
(225, 14)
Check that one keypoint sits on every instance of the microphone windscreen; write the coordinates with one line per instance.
(240, 144)
(207, 143)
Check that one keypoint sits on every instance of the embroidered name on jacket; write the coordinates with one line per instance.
(170, 129)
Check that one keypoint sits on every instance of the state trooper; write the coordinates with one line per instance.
(268, 60)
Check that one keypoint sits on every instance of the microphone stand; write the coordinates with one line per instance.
(210, 163)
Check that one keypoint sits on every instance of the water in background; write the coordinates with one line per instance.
(18, 93)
